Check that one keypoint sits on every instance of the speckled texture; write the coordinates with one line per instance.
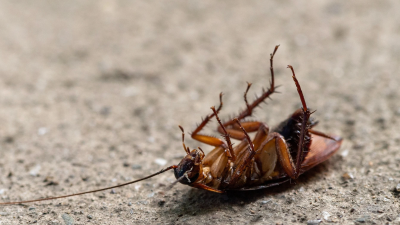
(92, 93)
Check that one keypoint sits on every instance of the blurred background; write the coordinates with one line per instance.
(92, 93)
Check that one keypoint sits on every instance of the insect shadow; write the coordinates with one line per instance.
(197, 202)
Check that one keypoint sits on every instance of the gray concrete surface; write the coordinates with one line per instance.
(92, 93)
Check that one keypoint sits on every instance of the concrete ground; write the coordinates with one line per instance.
(92, 93)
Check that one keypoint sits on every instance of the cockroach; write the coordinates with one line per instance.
(273, 157)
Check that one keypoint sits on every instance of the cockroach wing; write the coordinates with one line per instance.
(320, 150)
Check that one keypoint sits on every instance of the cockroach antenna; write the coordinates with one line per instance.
(88, 192)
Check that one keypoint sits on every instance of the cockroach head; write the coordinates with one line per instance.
(189, 168)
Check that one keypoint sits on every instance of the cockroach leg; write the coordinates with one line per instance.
(205, 187)
(201, 150)
(183, 140)
(303, 101)
(245, 96)
(261, 135)
(213, 140)
(231, 154)
(236, 133)
(204, 138)
(267, 185)
(303, 130)
(284, 157)
(245, 161)
(207, 119)
(246, 135)
(321, 134)
(250, 107)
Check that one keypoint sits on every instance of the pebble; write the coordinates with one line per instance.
(314, 222)
(4, 213)
(344, 153)
(360, 220)
(398, 187)
(35, 170)
(136, 166)
(68, 220)
(363, 219)
(160, 161)
(42, 131)
(265, 202)
(326, 215)
(90, 217)
(348, 176)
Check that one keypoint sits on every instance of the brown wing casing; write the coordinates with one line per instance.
(320, 150)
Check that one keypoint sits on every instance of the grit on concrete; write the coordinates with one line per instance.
(92, 93)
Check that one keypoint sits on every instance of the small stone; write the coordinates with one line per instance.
(325, 215)
(35, 170)
(32, 208)
(160, 161)
(314, 222)
(265, 202)
(360, 220)
(129, 203)
(89, 217)
(344, 153)
(398, 187)
(136, 166)
(4, 213)
(42, 131)
(68, 220)
(348, 176)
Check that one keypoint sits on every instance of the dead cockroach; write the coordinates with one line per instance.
(273, 157)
